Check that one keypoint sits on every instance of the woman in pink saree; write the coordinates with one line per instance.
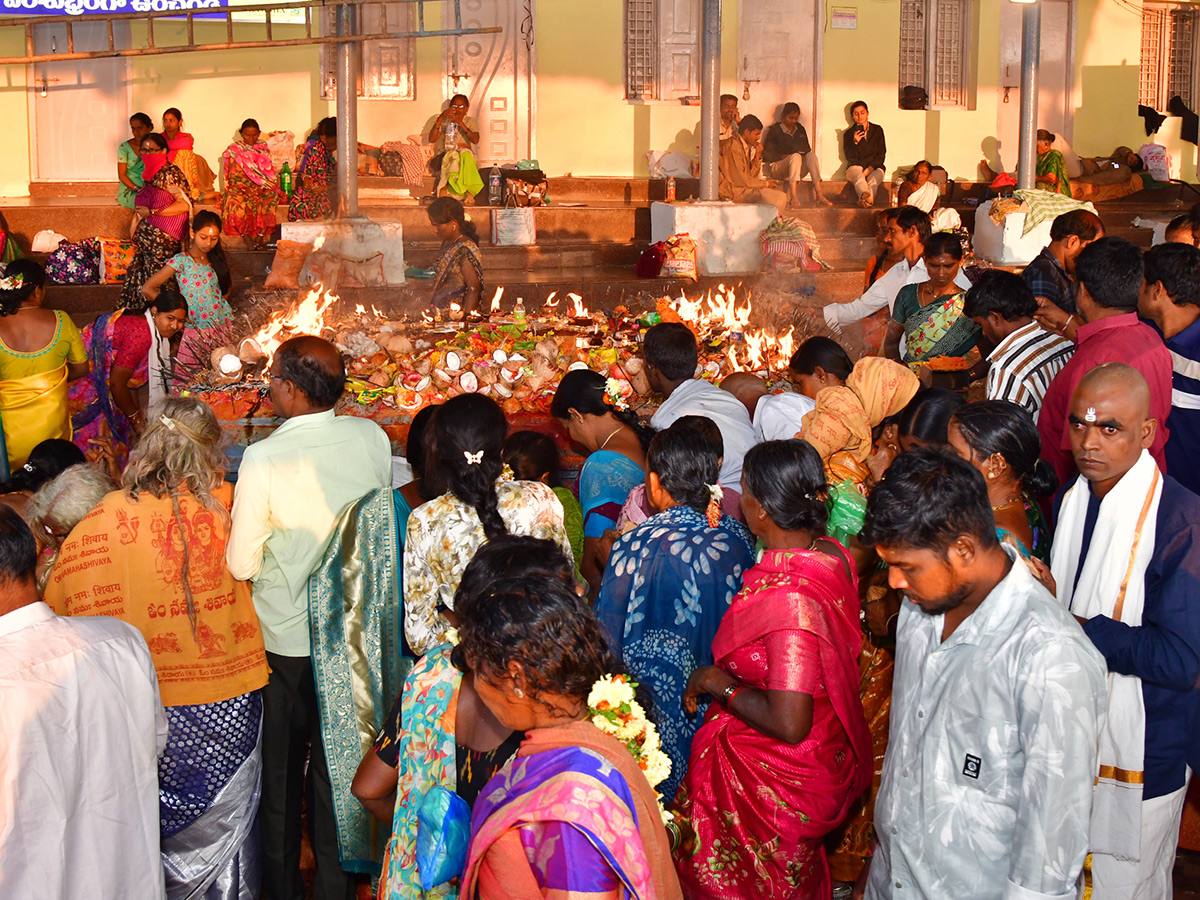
(251, 194)
(784, 751)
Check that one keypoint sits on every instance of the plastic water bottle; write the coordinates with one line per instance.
(451, 133)
(519, 311)
(285, 180)
(495, 187)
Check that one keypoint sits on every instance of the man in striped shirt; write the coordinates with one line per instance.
(1170, 299)
(1026, 356)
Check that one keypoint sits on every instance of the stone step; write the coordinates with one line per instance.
(79, 218)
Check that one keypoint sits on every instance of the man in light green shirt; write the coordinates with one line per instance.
(292, 489)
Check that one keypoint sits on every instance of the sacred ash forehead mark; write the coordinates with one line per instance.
(1090, 415)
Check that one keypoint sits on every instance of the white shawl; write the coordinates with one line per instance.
(924, 197)
(1113, 583)
(160, 367)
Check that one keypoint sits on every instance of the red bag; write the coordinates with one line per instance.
(649, 264)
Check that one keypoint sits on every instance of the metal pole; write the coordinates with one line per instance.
(710, 98)
(1031, 47)
(347, 114)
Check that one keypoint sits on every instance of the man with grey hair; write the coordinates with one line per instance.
(61, 503)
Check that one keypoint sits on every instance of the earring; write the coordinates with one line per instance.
(991, 474)
(518, 692)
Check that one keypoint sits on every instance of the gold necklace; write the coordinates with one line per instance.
(1012, 501)
(609, 438)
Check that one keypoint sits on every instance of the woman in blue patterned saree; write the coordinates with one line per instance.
(670, 580)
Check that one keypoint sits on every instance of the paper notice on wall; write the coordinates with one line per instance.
(844, 17)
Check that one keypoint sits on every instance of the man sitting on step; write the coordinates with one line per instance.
(741, 166)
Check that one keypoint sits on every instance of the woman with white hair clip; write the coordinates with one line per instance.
(153, 554)
(59, 505)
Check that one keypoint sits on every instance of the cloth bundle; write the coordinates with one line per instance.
(75, 262)
(116, 256)
(1046, 206)
(789, 245)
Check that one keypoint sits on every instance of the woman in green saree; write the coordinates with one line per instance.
(1051, 167)
(929, 316)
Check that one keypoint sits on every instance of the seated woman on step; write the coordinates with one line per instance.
(458, 271)
(181, 152)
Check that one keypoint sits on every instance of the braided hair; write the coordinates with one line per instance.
(686, 464)
(469, 432)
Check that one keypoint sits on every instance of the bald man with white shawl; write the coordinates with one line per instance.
(1126, 562)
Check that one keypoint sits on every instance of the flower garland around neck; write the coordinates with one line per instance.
(613, 709)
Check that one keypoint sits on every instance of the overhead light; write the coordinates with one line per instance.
(1026, 2)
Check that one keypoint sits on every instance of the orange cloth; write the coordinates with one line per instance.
(505, 873)
(844, 416)
(125, 559)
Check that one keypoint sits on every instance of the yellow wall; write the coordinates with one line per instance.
(585, 126)
(14, 113)
(863, 64)
(1106, 88)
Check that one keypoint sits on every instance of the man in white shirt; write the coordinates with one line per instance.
(774, 417)
(910, 230)
(1025, 357)
(81, 727)
(997, 703)
(671, 355)
(292, 488)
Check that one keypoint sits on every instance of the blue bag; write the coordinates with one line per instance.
(443, 832)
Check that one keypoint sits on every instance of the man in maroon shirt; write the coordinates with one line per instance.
(1108, 275)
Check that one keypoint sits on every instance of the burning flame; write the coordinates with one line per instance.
(785, 345)
(359, 309)
(552, 306)
(720, 314)
(579, 310)
(496, 299)
(319, 242)
(305, 317)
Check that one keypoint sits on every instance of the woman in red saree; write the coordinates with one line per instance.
(573, 816)
(251, 194)
(785, 750)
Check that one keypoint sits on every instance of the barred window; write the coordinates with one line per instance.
(662, 49)
(385, 67)
(1169, 54)
(935, 52)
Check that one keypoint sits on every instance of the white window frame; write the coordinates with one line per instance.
(654, 48)
(945, 73)
(386, 68)
(1163, 57)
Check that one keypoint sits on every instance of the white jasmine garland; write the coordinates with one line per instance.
(613, 709)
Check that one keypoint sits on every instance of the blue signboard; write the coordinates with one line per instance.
(100, 7)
